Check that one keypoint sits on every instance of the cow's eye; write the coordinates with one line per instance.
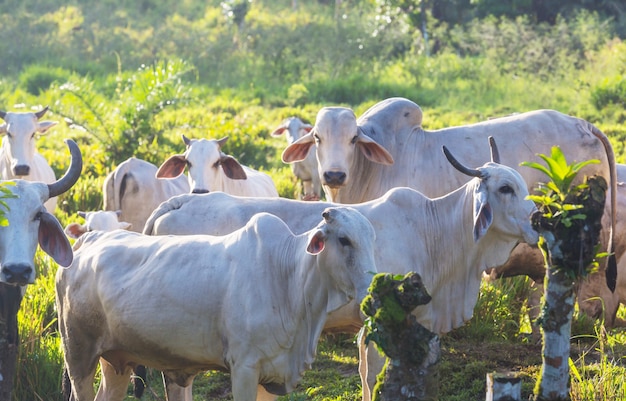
(38, 215)
(317, 138)
(505, 189)
(344, 241)
(354, 139)
(9, 134)
(188, 163)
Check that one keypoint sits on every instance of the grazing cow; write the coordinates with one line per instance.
(100, 220)
(29, 224)
(360, 159)
(449, 240)
(305, 170)
(252, 303)
(18, 156)
(134, 189)
(212, 170)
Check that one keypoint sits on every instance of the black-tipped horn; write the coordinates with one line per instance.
(186, 140)
(472, 172)
(3, 114)
(495, 154)
(326, 215)
(71, 175)
(41, 112)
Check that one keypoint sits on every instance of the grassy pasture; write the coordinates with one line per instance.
(118, 94)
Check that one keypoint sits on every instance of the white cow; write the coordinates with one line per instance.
(449, 240)
(360, 159)
(31, 224)
(305, 170)
(99, 220)
(133, 189)
(210, 169)
(18, 156)
(253, 303)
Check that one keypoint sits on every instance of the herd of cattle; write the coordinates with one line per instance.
(215, 271)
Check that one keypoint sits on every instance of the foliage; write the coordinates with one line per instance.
(5, 193)
(552, 201)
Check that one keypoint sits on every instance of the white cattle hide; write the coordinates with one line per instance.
(212, 170)
(19, 158)
(306, 170)
(252, 303)
(133, 189)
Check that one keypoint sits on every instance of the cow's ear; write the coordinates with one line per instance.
(278, 131)
(45, 126)
(172, 167)
(75, 230)
(298, 150)
(232, 168)
(373, 151)
(53, 241)
(316, 243)
(482, 212)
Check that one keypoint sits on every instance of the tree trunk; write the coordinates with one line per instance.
(569, 250)
(413, 352)
(10, 300)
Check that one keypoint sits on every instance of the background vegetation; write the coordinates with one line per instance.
(127, 78)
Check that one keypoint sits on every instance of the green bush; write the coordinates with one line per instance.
(37, 78)
(609, 91)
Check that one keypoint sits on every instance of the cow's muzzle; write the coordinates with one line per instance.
(17, 273)
(334, 178)
(21, 170)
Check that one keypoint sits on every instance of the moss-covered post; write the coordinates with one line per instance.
(412, 351)
(569, 221)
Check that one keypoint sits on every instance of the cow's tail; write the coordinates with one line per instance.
(611, 270)
(173, 203)
(114, 186)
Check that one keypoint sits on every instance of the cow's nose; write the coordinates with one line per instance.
(200, 191)
(17, 273)
(21, 169)
(334, 178)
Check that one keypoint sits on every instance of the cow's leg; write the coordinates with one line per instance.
(245, 380)
(113, 386)
(82, 382)
(174, 392)
(370, 365)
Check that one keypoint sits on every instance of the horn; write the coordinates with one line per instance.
(186, 140)
(71, 175)
(326, 215)
(41, 112)
(495, 154)
(3, 114)
(472, 172)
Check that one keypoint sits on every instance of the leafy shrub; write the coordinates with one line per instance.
(609, 91)
(37, 78)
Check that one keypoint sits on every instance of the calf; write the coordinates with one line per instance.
(253, 303)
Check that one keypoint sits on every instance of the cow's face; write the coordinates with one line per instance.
(29, 223)
(19, 141)
(338, 141)
(344, 243)
(208, 165)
